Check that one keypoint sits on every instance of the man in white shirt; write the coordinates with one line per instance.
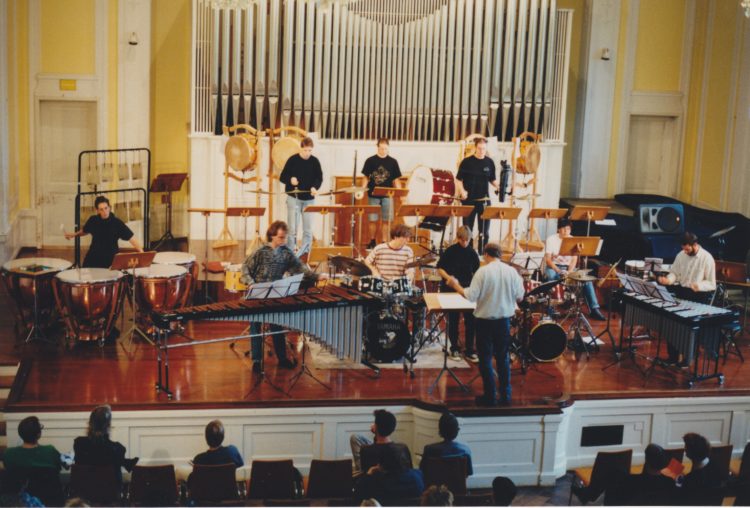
(558, 266)
(495, 287)
(693, 270)
(388, 260)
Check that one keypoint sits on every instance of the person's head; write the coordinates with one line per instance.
(100, 422)
(276, 233)
(697, 447)
(503, 491)
(448, 426)
(306, 147)
(390, 460)
(689, 243)
(30, 429)
(436, 496)
(492, 251)
(384, 424)
(214, 433)
(656, 459)
(481, 147)
(563, 228)
(370, 502)
(400, 234)
(463, 236)
(76, 502)
(383, 147)
(102, 206)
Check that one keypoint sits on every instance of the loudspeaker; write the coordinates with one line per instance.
(663, 218)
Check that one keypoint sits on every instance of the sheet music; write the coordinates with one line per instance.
(287, 286)
(454, 301)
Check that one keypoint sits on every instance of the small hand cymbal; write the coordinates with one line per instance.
(352, 189)
(349, 265)
(422, 260)
(581, 277)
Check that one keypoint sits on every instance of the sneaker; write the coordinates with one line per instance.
(455, 355)
(597, 315)
(472, 357)
(286, 363)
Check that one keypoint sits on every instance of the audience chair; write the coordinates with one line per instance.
(272, 479)
(721, 456)
(330, 479)
(741, 469)
(213, 484)
(42, 483)
(609, 468)
(97, 484)
(153, 486)
(448, 471)
(286, 502)
(503, 491)
(473, 500)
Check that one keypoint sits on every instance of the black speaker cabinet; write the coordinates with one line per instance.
(661, 219)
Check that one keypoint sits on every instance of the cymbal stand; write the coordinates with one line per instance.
(580, 322)
(206, 298)
(304, 369)
(35, 333)
(445, 368)
(610, 309)
(522, 349)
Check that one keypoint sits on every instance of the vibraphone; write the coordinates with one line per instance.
(690, 327)
(334, 316)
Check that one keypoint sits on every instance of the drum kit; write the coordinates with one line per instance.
(90, 300)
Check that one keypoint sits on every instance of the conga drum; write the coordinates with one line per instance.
(89, 299)
(184, 259)
(160, 288)
(29, 283)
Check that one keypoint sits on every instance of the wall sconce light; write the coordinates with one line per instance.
(745, 4)
(133, 39)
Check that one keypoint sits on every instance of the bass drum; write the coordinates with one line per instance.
(387, 338)
(547, 341)
(429, 186)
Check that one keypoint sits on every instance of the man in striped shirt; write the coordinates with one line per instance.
(388, 260)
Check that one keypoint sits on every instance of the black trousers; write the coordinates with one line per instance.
(483, 226)
(453, 318)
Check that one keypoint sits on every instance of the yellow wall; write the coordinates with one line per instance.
(112, 74)
(67, 31)
(18, 107)
(617, 105)
(659, 46)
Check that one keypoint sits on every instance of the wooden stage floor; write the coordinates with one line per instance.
(54, 378)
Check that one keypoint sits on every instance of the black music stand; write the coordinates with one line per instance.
(432, 300)
(169, 183)
(129, 261)
(245, 212)
(304, 369)
(580, 246)
(206, 212)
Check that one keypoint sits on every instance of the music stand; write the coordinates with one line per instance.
(547, 214)
(245, 212)
(588, 213)
(359, 211)
(206, 212)
(417, 211)
(129, 261)
(451, 212)
(501, 213)
(323, 210)
(580, 246)
(169, 183)
(389, 192)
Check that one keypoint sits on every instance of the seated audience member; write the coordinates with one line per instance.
(97, 449)
(503, 491)
(448, 429)
(366, 453)
(370, 502)
(217, 454)
(389, 481)
(31, 453)
(76, 502)
(436, 496)
(649, 488)
(702, 485)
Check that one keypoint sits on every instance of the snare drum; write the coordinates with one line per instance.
(430, 186)
(29, 283)
(184, 259)
(636, 268)
(161, 288)
(90, 300)
(400, 286)
(371, 284)
(232, 279)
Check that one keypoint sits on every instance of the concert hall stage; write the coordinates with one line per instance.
(533, 441)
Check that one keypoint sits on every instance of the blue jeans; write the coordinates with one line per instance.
(295, 216)
(588, 288)
(493, 339)
(256, 343)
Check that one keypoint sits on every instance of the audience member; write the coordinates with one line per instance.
(76, 502)
(649, 488)
(366, 453)
(97, 449)
(31, 453)
(217, 454)
(448, 429)
(702, 485)
(370, 502)
(389, 481)
(503, 491)
(436, 496)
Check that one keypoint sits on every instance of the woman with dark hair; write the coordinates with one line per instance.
(97, 449)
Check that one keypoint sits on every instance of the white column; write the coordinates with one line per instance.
(5, 192)
(133, 73)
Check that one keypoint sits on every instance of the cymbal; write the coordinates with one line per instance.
(528, 197)
(352, 189)
(422, 260)
(543, 288)
(722, 232)
(349, 265)
(581, 277)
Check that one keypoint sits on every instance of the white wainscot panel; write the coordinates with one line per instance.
(300, 442)
(156, 445)
(714, 425)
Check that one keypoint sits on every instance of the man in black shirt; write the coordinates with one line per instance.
(380, 170)
(302, 178)
(105, 230)
(474, 173)
(460, 260)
